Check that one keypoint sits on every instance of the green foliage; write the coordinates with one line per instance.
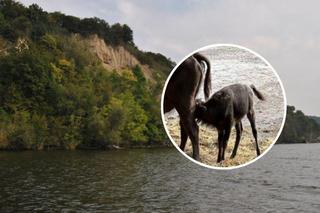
(22, 26)
(24, 79)
(135, 119)
(72, 132)
(299, 128)
(25, 131)
(54, 93)
(49, 42)
(17, 21)
(316, 118)
(2, 20)
(155, 60)
(12, 9)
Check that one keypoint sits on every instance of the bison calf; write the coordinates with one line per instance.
(226, 108)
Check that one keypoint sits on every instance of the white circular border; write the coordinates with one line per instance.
(231, 167)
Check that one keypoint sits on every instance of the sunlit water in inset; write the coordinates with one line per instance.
(158, 180)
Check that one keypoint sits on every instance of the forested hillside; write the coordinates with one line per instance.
(299, 128)
(316, 118)
(56, 93)
(69, 83)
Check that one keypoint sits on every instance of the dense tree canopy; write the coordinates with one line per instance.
(299, 128)
(56, 93)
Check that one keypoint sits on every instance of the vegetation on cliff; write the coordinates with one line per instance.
(54, 92)
(316, 118)
(299, 128)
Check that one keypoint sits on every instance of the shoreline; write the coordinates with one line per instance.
(110, 148)
(166, 144)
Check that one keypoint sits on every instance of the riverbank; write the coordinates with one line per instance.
(152, 145)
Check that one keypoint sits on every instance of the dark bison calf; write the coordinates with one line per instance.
(226, 108)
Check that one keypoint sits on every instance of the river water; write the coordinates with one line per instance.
(287, 179)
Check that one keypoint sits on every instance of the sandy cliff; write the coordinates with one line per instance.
(115, 58)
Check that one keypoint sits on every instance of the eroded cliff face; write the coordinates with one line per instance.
(116, 58)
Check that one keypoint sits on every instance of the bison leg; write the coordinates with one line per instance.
(183, 135)
(220, 145)
(226, 136)
(251, 118)
(192, 130)
(238, 137)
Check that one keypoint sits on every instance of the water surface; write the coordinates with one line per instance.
(287, 179)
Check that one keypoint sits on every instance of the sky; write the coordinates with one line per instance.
(286, 33)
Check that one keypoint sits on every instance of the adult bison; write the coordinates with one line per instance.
(180, 94)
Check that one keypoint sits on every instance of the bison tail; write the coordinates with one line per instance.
(207, 79)
(257, 93)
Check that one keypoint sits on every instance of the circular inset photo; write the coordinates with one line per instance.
(223, 106)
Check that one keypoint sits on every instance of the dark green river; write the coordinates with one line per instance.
(287, 179)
